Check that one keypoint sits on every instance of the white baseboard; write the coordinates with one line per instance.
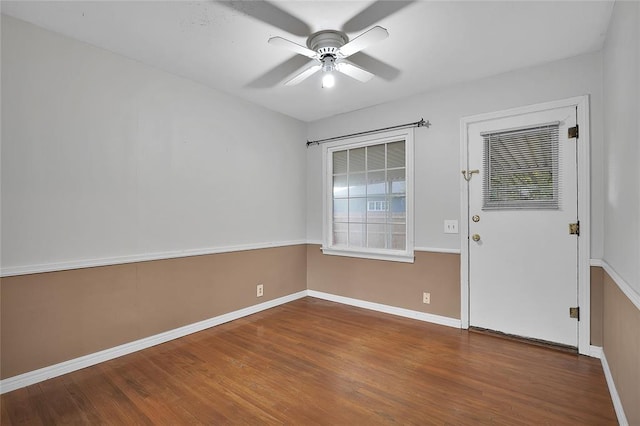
(595, 352)
(407, 313)
(617, 402)
(26, 379)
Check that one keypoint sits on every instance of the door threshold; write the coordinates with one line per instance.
(528, 340)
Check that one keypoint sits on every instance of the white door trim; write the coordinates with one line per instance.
(584, 203)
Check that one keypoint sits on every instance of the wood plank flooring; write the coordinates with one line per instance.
(317, 362)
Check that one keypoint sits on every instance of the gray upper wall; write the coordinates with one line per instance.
(106, 159)
(621, 60)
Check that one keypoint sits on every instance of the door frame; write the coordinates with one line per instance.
(584, 206)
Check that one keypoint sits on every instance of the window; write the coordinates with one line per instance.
(368, 197)
(522, 169)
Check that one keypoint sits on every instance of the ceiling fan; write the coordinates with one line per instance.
(329, 50)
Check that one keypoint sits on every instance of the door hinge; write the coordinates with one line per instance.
(573, 132)
(574, 228)
(574, 313)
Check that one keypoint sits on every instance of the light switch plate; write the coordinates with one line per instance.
(450, 226)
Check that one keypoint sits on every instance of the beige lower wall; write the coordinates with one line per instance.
(390, 283)
(621, 347)
(400, 284)
(52, 317)
(597, 304)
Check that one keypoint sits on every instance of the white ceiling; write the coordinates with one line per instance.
(431, 43)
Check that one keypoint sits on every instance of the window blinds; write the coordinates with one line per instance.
(521, 168)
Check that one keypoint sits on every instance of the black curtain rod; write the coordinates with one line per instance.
(420, 123)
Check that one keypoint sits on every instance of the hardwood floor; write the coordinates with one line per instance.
(318, 362)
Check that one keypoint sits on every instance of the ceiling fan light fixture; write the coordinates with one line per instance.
(328, 63)
(328, 80)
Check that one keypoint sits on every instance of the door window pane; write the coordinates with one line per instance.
(521, 169)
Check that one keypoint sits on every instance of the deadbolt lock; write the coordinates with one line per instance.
(475, 218)
(475, 237)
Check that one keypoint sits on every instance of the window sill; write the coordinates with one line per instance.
(392, 257)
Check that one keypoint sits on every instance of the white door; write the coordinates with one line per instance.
(523, 262)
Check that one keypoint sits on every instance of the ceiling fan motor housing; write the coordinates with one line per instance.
(327, 42)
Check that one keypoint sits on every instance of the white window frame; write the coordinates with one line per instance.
(406, 255)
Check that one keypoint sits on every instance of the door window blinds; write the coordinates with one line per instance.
(521, 169)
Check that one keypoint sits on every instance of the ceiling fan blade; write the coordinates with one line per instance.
(354, 71)
(376, 66)
(277, 74)
(374, 13)
(270, 14)
(306, 73)
(365, 39)
(294, 47)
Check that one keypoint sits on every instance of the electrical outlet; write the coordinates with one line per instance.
(450, 226)
(259, 290)
(426, 298)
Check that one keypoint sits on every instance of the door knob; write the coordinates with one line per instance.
(476, 237)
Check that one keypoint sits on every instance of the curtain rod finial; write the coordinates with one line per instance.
(423, 123)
